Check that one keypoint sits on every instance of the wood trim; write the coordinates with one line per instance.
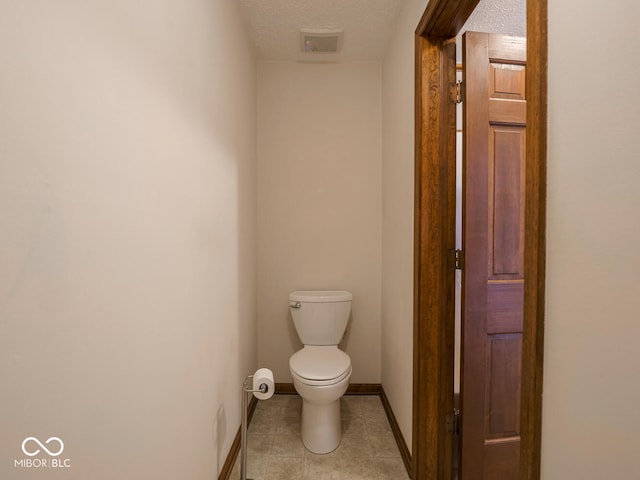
(352, 389)
(434, 244)
(285, 389)
(443, 19)
(364, 389)
(535, 240)
(225, 472)
(397, 433)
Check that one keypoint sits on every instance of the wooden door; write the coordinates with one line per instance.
(494, 129)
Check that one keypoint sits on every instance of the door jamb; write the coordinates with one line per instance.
(432, 365)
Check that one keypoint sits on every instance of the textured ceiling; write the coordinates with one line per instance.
(508, 17)
(275, 27)
(499, 16)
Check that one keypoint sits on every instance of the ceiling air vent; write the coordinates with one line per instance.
(321, 41)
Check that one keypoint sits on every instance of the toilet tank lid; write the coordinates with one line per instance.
(320, 296)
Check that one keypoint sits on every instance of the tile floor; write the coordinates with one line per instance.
(368, 450)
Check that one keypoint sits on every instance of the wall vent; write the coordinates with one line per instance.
(321, 41)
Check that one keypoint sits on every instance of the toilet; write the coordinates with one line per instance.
(320, 370)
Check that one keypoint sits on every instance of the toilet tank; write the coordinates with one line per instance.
(320, 316)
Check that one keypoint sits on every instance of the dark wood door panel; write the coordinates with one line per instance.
(502, 403)
(494, 166)
(506, 201)
(505, 302)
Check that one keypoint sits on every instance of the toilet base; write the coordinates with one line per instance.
(321, 429)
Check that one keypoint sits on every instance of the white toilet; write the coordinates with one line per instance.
(321, 371)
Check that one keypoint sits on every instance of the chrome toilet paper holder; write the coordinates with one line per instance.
(246, 391)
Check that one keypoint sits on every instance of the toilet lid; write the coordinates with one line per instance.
(319, 362)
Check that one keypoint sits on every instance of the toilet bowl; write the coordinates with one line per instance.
(320, 376)
(320, 370)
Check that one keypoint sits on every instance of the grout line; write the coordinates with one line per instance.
(355, 390)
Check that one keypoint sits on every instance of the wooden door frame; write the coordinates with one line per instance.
(433, 303)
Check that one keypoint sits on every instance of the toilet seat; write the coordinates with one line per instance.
(321, 383)
(320, 365)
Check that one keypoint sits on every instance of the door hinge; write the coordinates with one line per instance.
(456, 92)
(453, 422)
(458, 259)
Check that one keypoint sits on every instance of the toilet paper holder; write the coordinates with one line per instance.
(263, 388)
(247, 389)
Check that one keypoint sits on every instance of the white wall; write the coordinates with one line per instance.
(319, 156)
(592, 359)
(127, 234)
(397, 215)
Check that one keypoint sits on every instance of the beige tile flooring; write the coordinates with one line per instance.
(368, 450)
